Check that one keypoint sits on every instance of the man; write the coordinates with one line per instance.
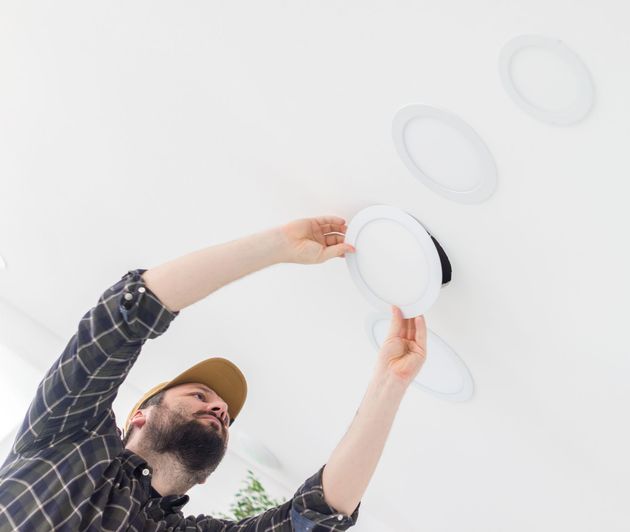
(69, 469)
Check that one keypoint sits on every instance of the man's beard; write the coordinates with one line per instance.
(198, 447)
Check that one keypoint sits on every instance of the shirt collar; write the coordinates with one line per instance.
(168, 503)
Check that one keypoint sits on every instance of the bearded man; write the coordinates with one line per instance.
(71, 468)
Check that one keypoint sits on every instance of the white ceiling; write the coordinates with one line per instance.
(132, 133)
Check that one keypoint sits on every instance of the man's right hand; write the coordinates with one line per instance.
(404, 352)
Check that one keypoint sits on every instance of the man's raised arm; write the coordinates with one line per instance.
(352, 463)
(188, 279)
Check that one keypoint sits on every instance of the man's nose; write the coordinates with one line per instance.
(219, 409)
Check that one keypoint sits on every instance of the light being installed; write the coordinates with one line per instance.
(546, 79)
(443, 374)
(445, 153)
(397, 262)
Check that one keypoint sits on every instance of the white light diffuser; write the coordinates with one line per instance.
(396, 262)
(546, 79)
(445, 153)
(443, 373)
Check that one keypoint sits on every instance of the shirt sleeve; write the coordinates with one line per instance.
(311, 512)
(77, 392)
(307, 511)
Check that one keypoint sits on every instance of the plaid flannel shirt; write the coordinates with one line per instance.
(68, 469)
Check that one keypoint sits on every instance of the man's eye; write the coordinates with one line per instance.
(200, 395)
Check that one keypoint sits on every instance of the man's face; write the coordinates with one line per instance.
(192, 424)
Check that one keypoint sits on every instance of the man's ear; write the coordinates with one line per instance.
(138, 419)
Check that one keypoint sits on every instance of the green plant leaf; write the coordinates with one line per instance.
(251, 500)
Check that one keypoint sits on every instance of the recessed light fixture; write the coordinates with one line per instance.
(3, 265)
(445, 153)
(397, 262)
(546, 79)
(443, 374)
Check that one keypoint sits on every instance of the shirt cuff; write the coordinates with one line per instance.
(310, 504)
(141, 309)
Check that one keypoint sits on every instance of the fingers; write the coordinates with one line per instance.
(330, 220)
(396, 323)
(420, 326)
(334, 234)
(334, 229)
(413, 329)
(332, 224)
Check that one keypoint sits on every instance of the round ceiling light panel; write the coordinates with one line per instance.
(443, 373)
(397, 262)
(546, 79)
(445, 153)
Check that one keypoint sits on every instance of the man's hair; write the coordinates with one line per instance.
(154, 400)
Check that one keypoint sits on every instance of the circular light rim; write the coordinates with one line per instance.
(434, 281)
(586, 90)
(488, 183)
(468, 385)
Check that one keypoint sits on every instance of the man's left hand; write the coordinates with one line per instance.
(315, 240)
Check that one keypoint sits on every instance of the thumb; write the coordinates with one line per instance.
(337, 251)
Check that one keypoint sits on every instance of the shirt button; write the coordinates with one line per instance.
(339, 517)
(145, 471)
(128, 296)
(142, 289)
